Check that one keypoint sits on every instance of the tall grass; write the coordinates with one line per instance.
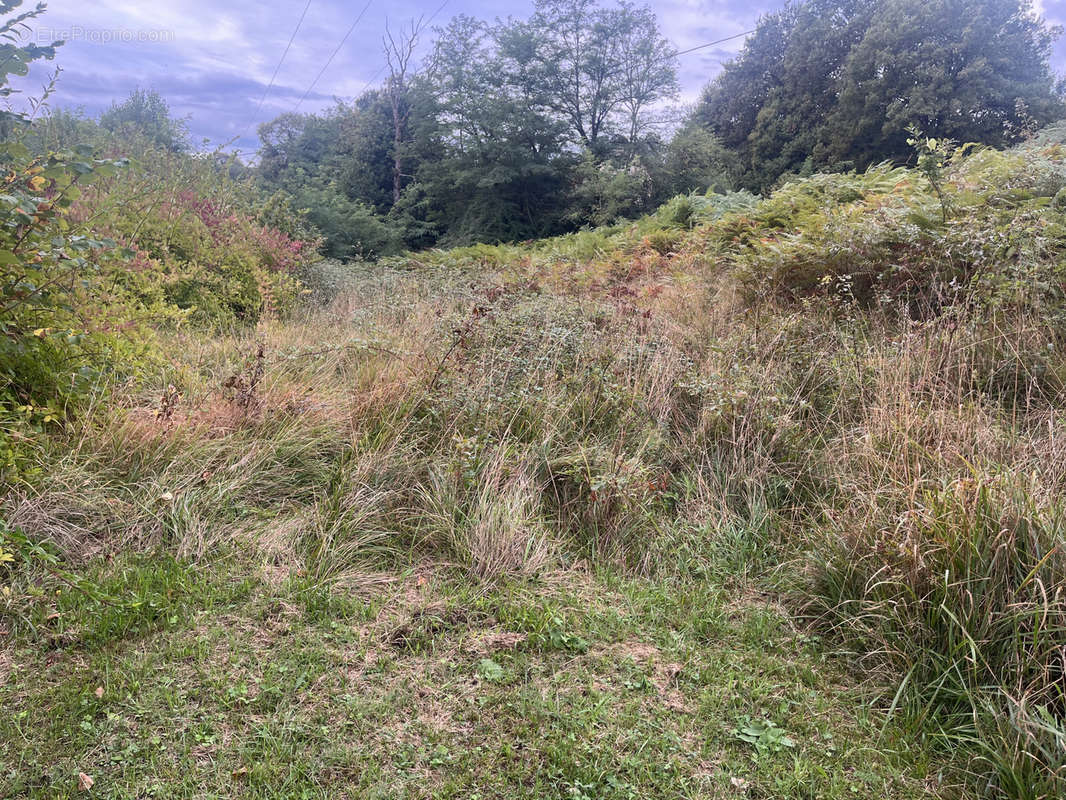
(895, 459)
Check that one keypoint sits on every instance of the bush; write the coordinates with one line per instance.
(197, 240)
(886, 238)
(352, 228)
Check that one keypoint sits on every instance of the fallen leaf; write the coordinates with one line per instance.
(85, 783)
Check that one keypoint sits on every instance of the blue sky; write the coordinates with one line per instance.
(213, 60)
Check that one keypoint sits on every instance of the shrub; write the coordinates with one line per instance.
(198, 241)
(886, 238)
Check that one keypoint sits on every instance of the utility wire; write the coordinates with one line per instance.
(672, 55)
(332, 56)
(421, 28)
(434, 15)
(277, 69)
(711, 44)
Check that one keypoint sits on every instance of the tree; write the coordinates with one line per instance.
(647, 71)
(969, 70)
(498, 174)
(282, 146)
(399, 50)
(147, 114)
(600, 68)
(488, 140)
(731, 103)
(695, 160)
(362, 153)
(834, 83)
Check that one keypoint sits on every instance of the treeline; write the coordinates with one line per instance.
(831, 85)
(520, 129)
(510, 130)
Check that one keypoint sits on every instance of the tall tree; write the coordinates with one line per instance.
(500, 174)
(146, 113)
(495, 137)
(831, 83)
(399, 50)
(971, 70)
(647, 72)
(599, 64)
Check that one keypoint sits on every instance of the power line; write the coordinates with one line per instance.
(332, 56)
(274, 77)
(672, 55)
(711, 44)
(423, 26)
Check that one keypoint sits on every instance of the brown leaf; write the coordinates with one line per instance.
(85, 783)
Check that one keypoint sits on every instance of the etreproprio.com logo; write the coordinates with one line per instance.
(102, 35)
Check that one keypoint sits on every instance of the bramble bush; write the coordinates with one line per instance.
(94, 246)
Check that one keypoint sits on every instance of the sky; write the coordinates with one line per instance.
(213, 60)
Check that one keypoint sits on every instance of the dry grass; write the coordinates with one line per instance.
(644, 418)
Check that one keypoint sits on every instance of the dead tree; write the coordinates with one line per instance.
(399, 50)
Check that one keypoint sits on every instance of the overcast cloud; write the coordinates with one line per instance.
(213, 61)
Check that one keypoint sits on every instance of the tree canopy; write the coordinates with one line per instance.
(146, 113)
(836, 83)
(509, 130)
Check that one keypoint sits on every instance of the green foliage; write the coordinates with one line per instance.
(15, 56)
(146, 114)
(480, 145)
(60, 309)
(764, 736)
(696, 160)
(331, 169)
(604, 193)
(199, 245)
(692, 210)
(885, 236)
(834, 84)
(91, 248)
(933, 156)
(351, 228)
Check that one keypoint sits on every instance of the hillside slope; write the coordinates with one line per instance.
(754, 497)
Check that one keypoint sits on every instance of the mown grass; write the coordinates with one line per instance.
(580, 685)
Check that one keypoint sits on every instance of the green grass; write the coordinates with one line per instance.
(702, 508)
(572, 686)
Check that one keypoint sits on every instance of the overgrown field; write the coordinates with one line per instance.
(752, 498)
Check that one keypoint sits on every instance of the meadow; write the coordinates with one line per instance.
(753, 497)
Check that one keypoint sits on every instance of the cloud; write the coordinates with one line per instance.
(213, 61)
